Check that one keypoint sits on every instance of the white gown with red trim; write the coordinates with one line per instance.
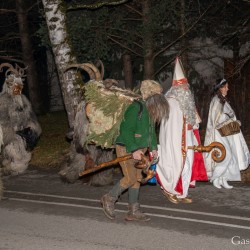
(174, 173)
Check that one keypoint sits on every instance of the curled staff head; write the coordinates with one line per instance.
(218, 156)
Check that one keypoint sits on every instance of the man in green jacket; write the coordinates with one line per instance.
(137, 135)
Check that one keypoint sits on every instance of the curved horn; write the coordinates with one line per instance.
(11, 68)
(98, 64)
(20, 70)
(98, 76)
(84, 67)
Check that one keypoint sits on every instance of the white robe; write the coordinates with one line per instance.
(237, 153)
(170, 166)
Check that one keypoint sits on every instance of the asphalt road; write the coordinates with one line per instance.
(42, 212)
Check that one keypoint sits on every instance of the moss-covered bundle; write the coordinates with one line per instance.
(105, 110)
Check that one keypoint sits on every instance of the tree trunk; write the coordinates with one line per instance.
(184, 42)
(28, 58)
(55, 93)
(127, 68)
(55, 18)
(148, 43)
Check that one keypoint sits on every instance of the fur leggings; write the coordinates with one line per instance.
(15, 158)
(1, 187)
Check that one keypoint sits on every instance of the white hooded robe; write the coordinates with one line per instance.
(171, 162)
(237, 153)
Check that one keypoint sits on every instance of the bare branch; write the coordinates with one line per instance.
(126, 31)
(3, 11)
(124, 46)
(31, 7)
(132, 19)
(95, 6)
(118, 37)
(9, 37)
(238, 30)
(7, 52)
(167, 63)
(164, 65)
(133, 9)
(239, 66)
(185, 33)
(11, 59)
(8, 26)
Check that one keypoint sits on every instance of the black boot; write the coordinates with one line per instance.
(108, 204)
(108, 201)
(135, 214)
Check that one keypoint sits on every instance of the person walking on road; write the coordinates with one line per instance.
(237, 153)
(179, 167)
(137, 134)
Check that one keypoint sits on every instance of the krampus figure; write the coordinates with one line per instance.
(82, 155)
(19, 128)
(1, 187)
(1, 182)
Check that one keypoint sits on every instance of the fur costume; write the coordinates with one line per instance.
(94, 128)
(83, 157)
(1, 182)
(1, 187)
(20, 129)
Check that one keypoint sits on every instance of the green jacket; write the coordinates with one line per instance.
(135, 132)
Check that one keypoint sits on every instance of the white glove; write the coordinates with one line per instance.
(196, 126)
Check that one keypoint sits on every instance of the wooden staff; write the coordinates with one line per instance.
(216, 155)
(144, 164)
(106, 164)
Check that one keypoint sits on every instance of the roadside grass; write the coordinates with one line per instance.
(52, 147)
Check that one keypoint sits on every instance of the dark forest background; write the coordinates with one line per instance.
(135, 39)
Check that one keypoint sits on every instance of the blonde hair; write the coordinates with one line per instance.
(149, 88)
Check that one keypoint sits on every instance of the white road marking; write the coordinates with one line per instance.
(145, 206)
(123, 211)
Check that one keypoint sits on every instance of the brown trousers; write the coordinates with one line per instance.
(131, 175)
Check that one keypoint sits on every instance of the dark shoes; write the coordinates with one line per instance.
(135, 214)
(108, 205)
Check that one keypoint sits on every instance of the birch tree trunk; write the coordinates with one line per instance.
(56, 22)
(55, 17)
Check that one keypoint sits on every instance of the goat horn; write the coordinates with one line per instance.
(84, 67)
(98, 76)
(20, 70)
(11, 68)
(92, 70)
(98, 64)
